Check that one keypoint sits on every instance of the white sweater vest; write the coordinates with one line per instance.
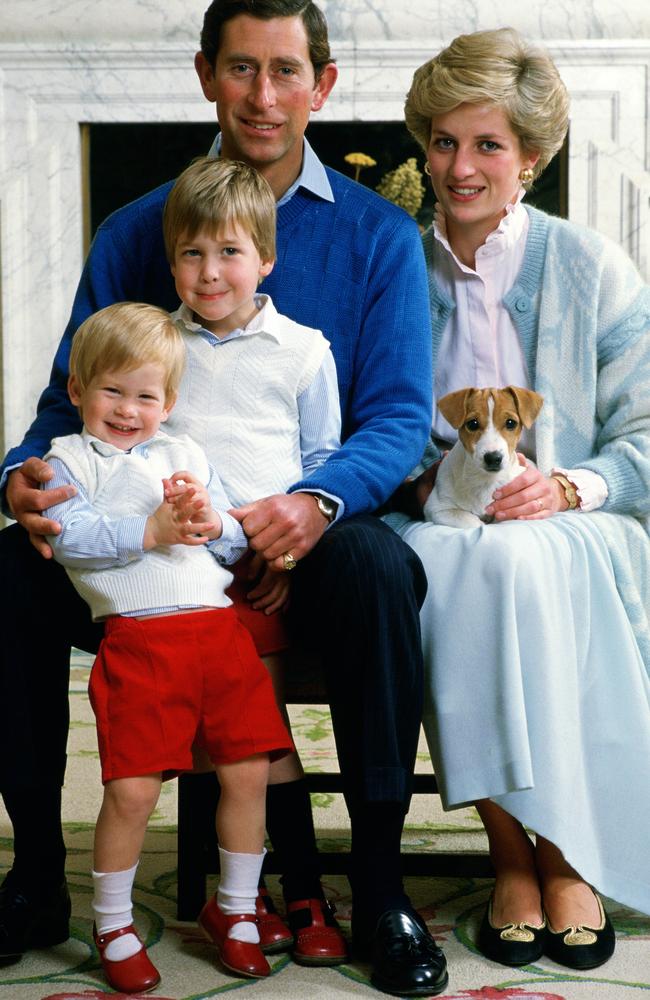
(120, 484)
(239, 400)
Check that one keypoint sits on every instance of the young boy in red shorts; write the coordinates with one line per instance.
(145, 541)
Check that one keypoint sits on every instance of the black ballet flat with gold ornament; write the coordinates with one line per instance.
(582, 947)
(512, 944)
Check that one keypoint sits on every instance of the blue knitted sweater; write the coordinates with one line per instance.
(353, 268)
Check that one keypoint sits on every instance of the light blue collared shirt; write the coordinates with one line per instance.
(312, 177)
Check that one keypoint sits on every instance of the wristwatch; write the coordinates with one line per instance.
(327, 507)
(570, 491)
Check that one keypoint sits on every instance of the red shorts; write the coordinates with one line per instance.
(159, 685)
(269, 632)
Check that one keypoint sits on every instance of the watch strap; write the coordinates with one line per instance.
(570, 492)
(327, 507)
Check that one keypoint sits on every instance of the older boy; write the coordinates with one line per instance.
(260, 395)
(351, 265)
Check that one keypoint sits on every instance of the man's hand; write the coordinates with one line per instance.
(425, 483)
(532, 496)
(410, 497)
(282, 523)
(26, 501)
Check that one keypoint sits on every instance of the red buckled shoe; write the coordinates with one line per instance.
(318, 937)
(275, 936)
(136, 974)
(242, 957)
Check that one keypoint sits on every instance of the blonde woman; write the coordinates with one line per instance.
(535, 627)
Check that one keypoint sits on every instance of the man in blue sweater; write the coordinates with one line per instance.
(350, 264)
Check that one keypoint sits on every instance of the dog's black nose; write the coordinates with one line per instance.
(493, 460)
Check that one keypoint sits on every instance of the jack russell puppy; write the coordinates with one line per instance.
(489, 424)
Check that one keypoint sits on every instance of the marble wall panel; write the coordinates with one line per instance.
(74, 61)
(358, 21)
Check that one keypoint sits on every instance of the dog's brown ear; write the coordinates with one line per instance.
(528, 403)
(453, 408)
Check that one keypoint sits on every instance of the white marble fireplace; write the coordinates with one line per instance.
(74, 62)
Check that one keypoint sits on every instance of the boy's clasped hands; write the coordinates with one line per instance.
(186, 517)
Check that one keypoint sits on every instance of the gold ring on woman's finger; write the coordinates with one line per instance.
(289, 561)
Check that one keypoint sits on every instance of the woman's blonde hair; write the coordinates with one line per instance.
(213, 193)
(499, 68)
(124, 336)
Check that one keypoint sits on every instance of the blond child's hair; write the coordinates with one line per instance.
(213, 193)
(124, 336)
(494, 67)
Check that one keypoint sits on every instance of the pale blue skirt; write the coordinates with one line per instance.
(536, 695)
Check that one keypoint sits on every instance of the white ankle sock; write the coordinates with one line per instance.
(113, 909)
(240, 875)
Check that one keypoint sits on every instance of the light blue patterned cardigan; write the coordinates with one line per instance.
(583, 317)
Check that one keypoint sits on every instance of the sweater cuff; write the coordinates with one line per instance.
(625, 491)
(590, 486)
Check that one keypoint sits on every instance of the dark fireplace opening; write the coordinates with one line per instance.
(124, 161)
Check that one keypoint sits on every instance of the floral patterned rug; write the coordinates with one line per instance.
(452, 907)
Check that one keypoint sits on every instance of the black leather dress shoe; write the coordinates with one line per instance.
(406, 961)
(32, 920)
(582, 947)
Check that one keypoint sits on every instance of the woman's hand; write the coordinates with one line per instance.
(532, 496)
